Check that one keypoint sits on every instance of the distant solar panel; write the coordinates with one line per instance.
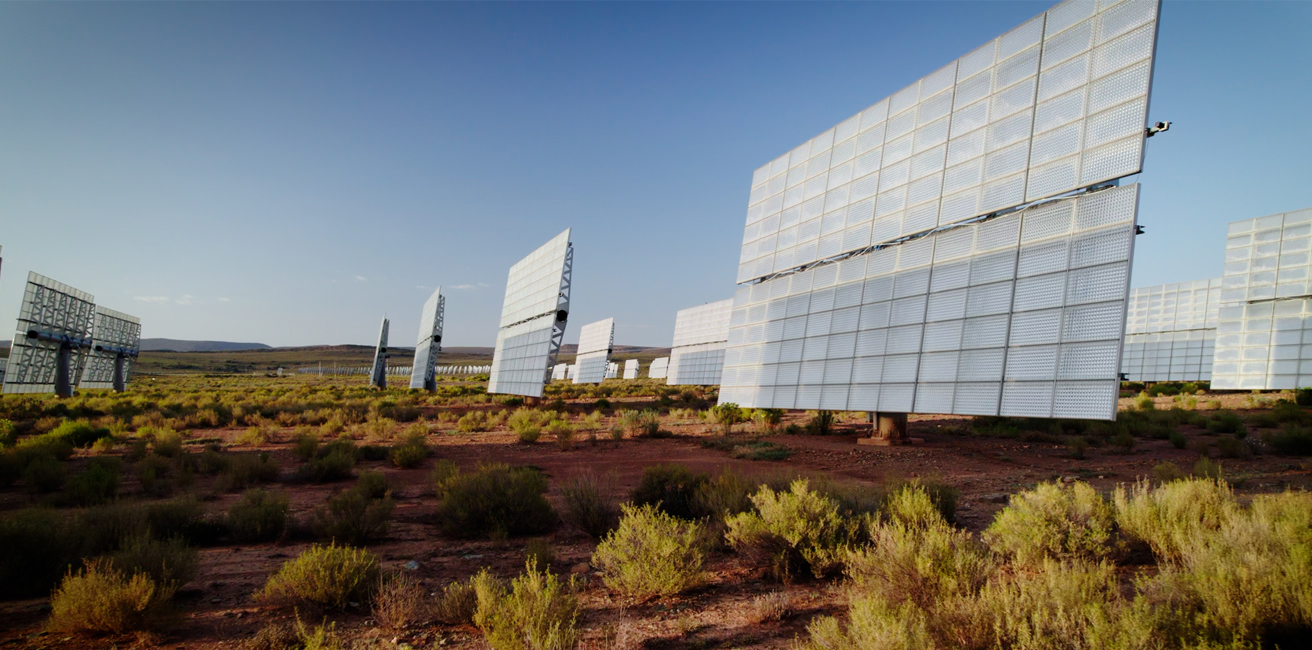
(1057, 104)
(378, 371)
(1022, 314)
(1170, 331)
(659, 368)
(1264, 325)
(116, 342)
(571, 370)
(700, 336)
(593, 359)
(558, 371)
(612, 370)
(631, 369)
(52, 339)
(423, 374)
(533, 319)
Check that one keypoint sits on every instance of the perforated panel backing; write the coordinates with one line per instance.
(1170, 331)
(431, 320)
(1057, 104)
(1264, 326)
(56, 308)
(116, 329)
(1022, 314)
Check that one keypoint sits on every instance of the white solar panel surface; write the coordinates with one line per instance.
(1057, 104)
(426, 348)
(524, 350)
(631, 369)
(1022, 315)
(593, 358)
(658, 368)
(1264, 327)
(558, 371)
(700, 335)
(116, 329)
(1170, 331)
(54, 307)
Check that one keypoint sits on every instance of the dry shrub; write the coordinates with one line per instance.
(671, 487)
(588, 507)
(772, 607)
(329, 576)
(457, 604)
(1054, 521)
(474, 421)
(169, 562)
(103, 599)
(246, 470)
(1169, 516)
(650, 554)
(536, 612)
(791, 533)
(305, 442)
(399, 602)
(495, 501)
(354, 516)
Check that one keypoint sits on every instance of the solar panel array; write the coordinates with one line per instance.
(558, 371)
(659, 368)
(1264, 326)
(378, 375)
(1170, 331)
(537, 289)
(53, 308)
(113, 333)
(595, 342)
(700, 335)
(1022, 315)
(631, 369)
(1057, 104)
(431, 320)
(612, 370)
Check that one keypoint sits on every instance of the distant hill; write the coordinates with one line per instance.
(175, 345)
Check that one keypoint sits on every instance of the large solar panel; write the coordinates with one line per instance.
(659, 368)
(533, 319)
(700, 335)
(1170, 331)
(378, 371)
(52, 338)
(423, 374)
(595, 342)
(1022, 314)
(116, 341)
(1057, 104)
(631, 369)
(1264, 326)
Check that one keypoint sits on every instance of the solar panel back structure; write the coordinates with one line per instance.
(1170, 331)
(53, 337)
(533, 319)
(423, 374)
(961, 246)
(116, 342)
(378, 371)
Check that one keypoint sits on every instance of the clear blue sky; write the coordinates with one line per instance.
(286, 173)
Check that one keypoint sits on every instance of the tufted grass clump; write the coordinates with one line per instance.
(650, 554)
(536, 610)
(328, 576)
(1056, 521)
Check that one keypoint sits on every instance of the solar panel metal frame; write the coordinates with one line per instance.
(1020, 314)
(52, 338)
(1264, 325)
(1058, 104)
(540, 281)
(378, 371)
(596, 341)
(697, 351)
(423, 374)
(116, 343)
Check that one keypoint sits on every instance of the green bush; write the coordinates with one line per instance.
(942, 496)
(153, 472)
(97, 483)
(1169, 516)
(728, 493)
(336, 465)
(260, 515)
(791, 533)
(495, 501)
(168, 443)
(38, 548)
(353, 517)
(1291, 442)
(1054, 521)
(330, 576)
(650, 554)
(726, 415)
(8, 435)
(527, 424)
(45, 445)
(1205, 467)
(642, 424)
(305, 444)
(1178, 440)
(1226, 422)
(821, 423)
(103, 599)
(474, 421)
(410, 451)
(537, 612)
(246, 470)
(1230, 447)
(1303, 396)
(44, 474)
(457, 604)
(671, 487)
(170, 563)
(78, 433)
(587, 508)
(1167, 472)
